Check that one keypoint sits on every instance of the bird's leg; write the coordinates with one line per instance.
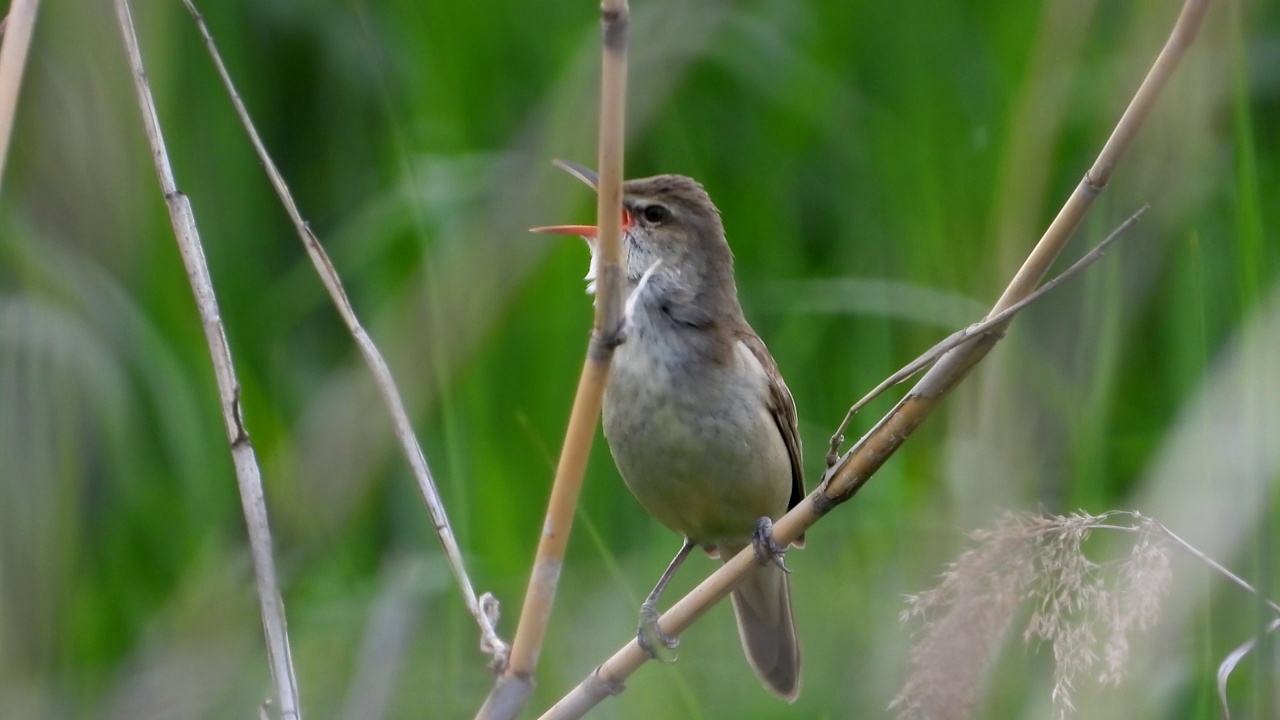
(649, 630)
(765, 548)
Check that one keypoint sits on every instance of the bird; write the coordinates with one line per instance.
(699, 421)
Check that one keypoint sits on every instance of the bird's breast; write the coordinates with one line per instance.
(694, 439)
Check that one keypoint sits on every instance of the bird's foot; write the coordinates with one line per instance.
(764, 547)
(649, 635)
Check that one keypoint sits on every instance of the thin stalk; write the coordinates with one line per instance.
(248, 474)
(512, 690)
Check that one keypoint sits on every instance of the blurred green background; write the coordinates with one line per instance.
(882, 169)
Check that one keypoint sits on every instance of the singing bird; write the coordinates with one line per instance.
(697, 416)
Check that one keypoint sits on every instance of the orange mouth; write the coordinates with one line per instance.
(587, 231)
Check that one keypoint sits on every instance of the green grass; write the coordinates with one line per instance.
(908, 147)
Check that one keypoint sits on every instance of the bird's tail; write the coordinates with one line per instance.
(762, 604)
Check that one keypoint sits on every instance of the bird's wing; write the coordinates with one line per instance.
(783, 409)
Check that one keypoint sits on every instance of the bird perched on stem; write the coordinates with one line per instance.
(699, 421)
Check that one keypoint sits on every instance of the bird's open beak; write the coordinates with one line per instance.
(588, 176)
(586, 231)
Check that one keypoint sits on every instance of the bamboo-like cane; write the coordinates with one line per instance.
(856, 467)
(16, 29)
(248, 474)
(511, 691)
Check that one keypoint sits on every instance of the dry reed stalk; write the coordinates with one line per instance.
(248, 474)
(511, 691)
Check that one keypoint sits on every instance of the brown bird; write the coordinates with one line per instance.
(699, 421)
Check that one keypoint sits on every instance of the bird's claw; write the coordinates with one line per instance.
(649, 632)
(764, 547)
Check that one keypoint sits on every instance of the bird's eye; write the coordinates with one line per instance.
(657, 214)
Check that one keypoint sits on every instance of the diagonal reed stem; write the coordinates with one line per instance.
(248, 474)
